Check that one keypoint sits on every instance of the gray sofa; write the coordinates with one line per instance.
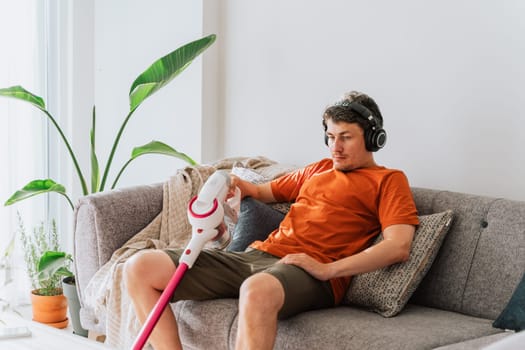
(474, 275)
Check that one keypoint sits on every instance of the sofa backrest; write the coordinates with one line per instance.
(482, 259)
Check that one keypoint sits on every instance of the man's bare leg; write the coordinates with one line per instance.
(146, 275)
(261, 298)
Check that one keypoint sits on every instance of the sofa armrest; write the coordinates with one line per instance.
(104, 221)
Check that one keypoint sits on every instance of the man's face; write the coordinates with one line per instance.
(347, 146)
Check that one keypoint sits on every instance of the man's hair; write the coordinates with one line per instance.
(339, 111)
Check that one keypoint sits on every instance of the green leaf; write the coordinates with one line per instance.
(95, 172)
(34, 188)
(19, 93)
(154, 147)
(22, 94)
(53, 263)
(162, 71)
(37, 187)
(157, 147)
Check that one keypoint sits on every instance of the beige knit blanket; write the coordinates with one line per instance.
(107, 294)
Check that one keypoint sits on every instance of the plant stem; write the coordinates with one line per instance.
(70, 150)
(113, 149)
(95, 176)
(69, 200)
(120, 173)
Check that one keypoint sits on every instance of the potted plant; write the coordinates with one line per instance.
(159, 74)
(49, 302)
(46, 266)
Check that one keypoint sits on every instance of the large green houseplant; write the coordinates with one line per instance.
(159, 74)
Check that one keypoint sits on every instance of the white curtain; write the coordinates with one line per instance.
(23, 129)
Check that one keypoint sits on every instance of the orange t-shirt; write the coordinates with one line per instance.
(337, 214)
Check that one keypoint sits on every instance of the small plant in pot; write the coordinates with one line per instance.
(46, 266)
(53, 266)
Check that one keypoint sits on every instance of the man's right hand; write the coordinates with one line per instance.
(262, 192)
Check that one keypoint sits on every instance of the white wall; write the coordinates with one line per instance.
(101, 47)
(129, 36)
(448, 75)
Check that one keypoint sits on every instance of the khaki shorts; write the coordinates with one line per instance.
(219, 274)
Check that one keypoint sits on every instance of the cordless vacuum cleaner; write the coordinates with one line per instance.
(206, 216)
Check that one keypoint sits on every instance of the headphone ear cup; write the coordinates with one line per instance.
(369, 140)
(375, 139)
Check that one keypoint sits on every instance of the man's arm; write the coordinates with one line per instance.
(394, 248)
(262, 192)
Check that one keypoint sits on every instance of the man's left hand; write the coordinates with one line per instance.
(313, 267)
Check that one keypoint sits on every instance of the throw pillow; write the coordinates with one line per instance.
(387, 290)
(513, 315)
(256, 221)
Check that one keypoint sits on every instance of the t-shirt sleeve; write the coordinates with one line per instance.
(396, 203)
(286, 188)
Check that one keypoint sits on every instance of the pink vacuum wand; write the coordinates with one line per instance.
(206, 215)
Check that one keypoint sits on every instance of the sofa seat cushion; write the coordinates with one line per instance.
(205, 324)
(416, 327)
(213, 325)
(478, 343)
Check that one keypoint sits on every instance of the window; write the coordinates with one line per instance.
(23, 132)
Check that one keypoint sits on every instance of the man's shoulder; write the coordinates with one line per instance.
(319, 166)
(384, 176)
(382, 170)
(323, 163)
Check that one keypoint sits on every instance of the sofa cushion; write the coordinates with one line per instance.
(513, 316)
(387, 290)
(205, 324)
(213, 324)
(477, 343)
(486, 242)
(256, 221)
(345, 327)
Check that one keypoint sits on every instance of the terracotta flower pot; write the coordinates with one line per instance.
(50, 310)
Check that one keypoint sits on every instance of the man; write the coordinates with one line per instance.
(340, 205)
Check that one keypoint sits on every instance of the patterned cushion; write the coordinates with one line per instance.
(387, 290)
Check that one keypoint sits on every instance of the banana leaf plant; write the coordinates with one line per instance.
(159, 74)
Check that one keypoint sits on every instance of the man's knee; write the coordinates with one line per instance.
(146, 268)
(262, 291)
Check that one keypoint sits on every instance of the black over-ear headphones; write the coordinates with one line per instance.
(375, 135)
